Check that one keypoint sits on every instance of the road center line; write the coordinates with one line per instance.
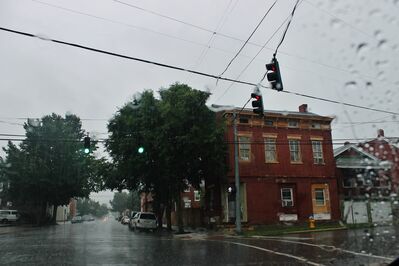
(274, 252)
(328, 248)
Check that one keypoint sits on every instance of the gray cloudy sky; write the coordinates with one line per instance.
(343, 50)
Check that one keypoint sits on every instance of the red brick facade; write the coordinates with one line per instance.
(261, 181)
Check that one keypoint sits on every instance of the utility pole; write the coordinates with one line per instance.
(237, 175)
(236, 165)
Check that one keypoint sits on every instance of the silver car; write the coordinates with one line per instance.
(144, 221)
(7, 216)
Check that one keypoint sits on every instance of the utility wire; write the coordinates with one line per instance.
(206, 46)
(187, 70)
(253, 58)
(338, 18)
(250, 36)
(286, 29)
(131, 137)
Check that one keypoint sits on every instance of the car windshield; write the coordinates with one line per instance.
(147, 216)
(175, 132)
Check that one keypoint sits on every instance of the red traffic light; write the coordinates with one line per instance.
(274, 75)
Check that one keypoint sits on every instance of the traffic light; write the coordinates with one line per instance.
(257, 104)
(140, 149)
(274, 75)
(86, 142)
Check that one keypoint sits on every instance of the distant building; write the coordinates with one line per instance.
(286, 167)
(368, 180)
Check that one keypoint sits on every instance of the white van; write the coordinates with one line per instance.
(7, 216)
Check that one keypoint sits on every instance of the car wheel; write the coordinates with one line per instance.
(4, 221)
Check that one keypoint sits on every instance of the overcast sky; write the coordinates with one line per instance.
(342, 50)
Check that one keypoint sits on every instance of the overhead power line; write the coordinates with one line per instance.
(250, 36)
(186, 70)
(206, 46)
(253, 58)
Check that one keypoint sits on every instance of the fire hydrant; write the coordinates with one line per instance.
(312, 222)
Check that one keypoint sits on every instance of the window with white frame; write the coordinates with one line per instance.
(317, 152)
(287, 197)
(315, 125)
(295, 152)
(244, 148)
(269, 122)
(320, 197)
(293, 123)
(197, 195)
(270, 150)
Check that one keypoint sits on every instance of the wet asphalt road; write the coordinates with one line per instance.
(110, 243)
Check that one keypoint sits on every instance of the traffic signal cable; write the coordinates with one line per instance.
(286, 29)
(247, 40)
(26, 34)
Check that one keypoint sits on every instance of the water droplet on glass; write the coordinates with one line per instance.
(361, 47)
(374, 12)
(351, 85)
(382, 44)
(378, 34)
(335, 23)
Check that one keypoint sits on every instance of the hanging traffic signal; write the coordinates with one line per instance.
(274, 75)
(86, 144)
(257, 104)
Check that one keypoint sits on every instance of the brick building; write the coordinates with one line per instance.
(286, 166)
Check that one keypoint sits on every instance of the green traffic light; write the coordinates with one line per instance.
(140, 150)
(87, 150)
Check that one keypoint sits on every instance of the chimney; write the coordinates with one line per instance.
(303, 108)
(380, 133)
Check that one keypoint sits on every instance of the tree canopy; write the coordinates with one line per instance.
(183, 143)
(49, 167)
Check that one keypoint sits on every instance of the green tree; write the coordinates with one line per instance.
(49, 167)
(182, 140)
(123, 200)
(87, 206)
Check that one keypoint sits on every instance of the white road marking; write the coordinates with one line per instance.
(331, 248)
(284, 237)
(274, 252)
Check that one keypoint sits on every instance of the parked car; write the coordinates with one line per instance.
(77, 219)
(88, 218)
(144, 221)
(130, 224)
(125, 220)
(7, 216)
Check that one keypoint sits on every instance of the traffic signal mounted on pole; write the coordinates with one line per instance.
(257, 104)
(86, 142)
(274, 75)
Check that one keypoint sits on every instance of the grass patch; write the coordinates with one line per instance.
(281, 229)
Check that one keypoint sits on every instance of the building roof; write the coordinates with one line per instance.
(248, 111)
(366, 160)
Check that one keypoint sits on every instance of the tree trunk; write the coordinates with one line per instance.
(160, 216)
(54, 218)
(179, 214)
(169, 215)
